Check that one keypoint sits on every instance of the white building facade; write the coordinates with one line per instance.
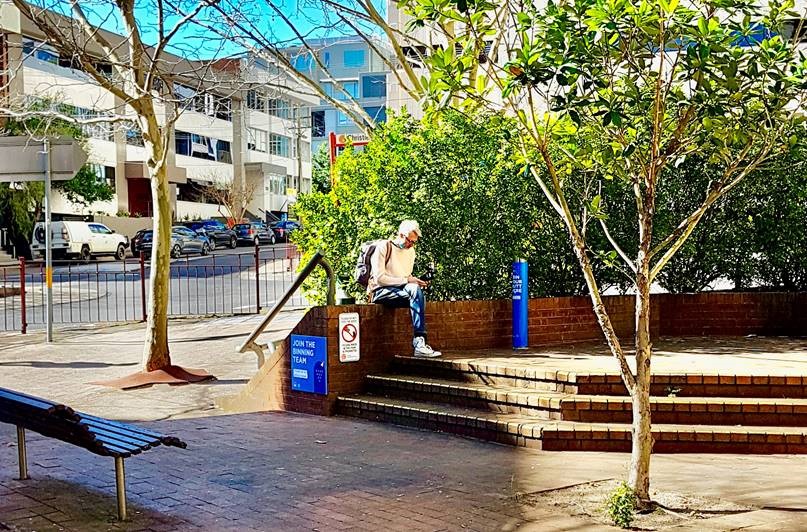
(217, 138)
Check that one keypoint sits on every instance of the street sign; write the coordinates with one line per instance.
(349, 337)
(309, 364)
(23, 159)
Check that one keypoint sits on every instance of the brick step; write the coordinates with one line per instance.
(502, 399)
(516, 429)
(507, 372)
(592, 408)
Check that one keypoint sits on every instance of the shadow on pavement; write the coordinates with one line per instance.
(61, 365)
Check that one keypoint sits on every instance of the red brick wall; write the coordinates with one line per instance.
(732, 314)
(487, 324)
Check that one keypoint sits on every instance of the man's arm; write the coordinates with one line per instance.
(379, 262)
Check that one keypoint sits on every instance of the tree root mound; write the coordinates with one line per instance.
(173, 375)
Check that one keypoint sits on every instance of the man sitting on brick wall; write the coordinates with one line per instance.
(392, 283)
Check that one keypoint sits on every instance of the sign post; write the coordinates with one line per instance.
(520, 304)
(48, 251)
(349, 337)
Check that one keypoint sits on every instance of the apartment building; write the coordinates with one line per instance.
(240, 131)
(357, 68)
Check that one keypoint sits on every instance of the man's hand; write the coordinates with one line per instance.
(419, 282)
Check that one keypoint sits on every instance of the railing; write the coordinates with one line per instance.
(251, 343)
(106, 291)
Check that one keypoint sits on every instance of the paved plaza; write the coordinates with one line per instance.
(284, 471)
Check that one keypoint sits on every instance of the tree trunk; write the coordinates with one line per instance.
(155, 351)
(642, 446)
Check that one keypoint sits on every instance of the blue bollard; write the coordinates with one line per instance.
(521, 298)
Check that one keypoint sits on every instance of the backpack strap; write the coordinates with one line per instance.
(389, 253)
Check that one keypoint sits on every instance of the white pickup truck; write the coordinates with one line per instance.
(83, 240)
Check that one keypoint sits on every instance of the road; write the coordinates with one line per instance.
(106, 290)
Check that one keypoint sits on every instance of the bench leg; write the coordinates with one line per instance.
(120, 481)
(22, 454)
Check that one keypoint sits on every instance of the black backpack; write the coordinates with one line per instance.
(364, 266)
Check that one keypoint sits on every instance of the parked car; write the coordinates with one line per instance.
(137, 239)
(284, 228)
(183, 242)
(83, 240)
(254, 233)
(216, 232)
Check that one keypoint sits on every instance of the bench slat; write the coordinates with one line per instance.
(94, 425)
(124, 439)
(165, 440)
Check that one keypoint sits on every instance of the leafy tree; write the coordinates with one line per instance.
(458, 178)
(321, 170)
(652, 83)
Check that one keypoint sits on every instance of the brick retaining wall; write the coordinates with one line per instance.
(552, 321)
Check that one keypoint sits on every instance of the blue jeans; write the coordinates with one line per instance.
(402, 296)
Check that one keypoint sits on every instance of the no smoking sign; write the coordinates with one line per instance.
(349, 337)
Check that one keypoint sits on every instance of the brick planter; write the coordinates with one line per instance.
(552, 321)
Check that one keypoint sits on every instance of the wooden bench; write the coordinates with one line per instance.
(98, 435)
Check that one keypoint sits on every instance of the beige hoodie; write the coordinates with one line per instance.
(392, 272)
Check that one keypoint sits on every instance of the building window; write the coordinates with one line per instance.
(279, 145)
(353, 58)
(793, 25)
(318, 123)
(374, 86)
(276, 183)
(342, 119)
(302, 62)
(256, 139)
(223, 151)
(109, 177)
(279, 108)
(202, 147)
(327, 87)
(351, 87)
(202, 102)
(104, 174)
(40, 50)
(377, 113)
(326, 59)
(98, 130)
(256, 100)
(134, 137)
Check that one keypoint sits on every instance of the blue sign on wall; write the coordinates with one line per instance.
(309, 364)
(521, 295)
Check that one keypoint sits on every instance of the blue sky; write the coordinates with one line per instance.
(197, 42)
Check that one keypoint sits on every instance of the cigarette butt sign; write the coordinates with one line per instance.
(349, 334)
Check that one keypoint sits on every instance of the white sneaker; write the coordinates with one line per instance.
(422, 349)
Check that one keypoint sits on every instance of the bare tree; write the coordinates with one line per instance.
(139, 66)
(235, 197)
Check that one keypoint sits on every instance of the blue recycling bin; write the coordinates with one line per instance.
(521, 299)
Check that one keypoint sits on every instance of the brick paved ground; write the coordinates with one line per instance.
(267, 471)
(270, 472)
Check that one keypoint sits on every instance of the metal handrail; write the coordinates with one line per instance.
(317, 260)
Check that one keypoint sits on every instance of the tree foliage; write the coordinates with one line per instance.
(621, 92)
(457, 176)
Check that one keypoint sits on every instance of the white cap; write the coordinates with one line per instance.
(407, 226)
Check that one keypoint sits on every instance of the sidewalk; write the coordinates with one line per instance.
(63, 370)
